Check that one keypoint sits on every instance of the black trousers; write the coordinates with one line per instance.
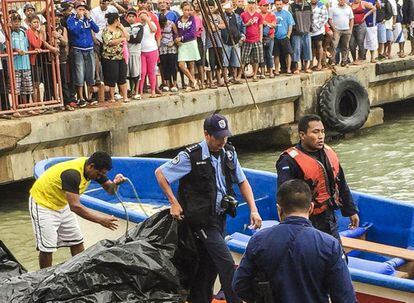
(4, 98)
(64, 81)
(215, 258)
(168, 65)
(327, 223)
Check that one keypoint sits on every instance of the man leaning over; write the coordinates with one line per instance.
(54, 201)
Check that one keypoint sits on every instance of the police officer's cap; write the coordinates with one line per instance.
(217, 126)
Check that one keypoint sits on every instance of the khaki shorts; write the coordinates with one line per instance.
(54, 228)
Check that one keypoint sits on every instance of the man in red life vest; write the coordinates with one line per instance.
(317, 164)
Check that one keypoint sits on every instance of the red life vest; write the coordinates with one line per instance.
(315, 172)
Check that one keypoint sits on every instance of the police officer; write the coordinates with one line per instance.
(317, 164)
(301, 263)
(206, 172)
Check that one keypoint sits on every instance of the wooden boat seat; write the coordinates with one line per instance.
(377, 248)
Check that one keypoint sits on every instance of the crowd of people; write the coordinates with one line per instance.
(121, 50)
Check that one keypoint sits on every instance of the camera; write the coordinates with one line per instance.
(229, 204)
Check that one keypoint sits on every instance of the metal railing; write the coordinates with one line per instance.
(46, 85)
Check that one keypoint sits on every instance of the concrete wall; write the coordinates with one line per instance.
(156, 125)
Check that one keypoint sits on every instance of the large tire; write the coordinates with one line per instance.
(344, 104)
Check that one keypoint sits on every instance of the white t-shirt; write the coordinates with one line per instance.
(148, 43)
(23, 16)
(388, 23)
(340, 16)
(98, 16)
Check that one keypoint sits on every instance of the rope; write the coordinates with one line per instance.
(127, 237)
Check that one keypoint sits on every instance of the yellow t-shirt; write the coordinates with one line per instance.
(47, 190)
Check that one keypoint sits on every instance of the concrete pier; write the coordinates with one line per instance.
(169, 122)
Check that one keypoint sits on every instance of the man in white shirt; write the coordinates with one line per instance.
(27, 10)
(98, 15)
(341, 20)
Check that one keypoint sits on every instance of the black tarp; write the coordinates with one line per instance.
(9, 266)
(158, 265)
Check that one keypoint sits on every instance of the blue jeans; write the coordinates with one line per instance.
(268, 53)
(357, 41)
(84, 71)
(302, 49)
(233, 54)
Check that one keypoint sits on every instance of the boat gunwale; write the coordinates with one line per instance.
(392, 282)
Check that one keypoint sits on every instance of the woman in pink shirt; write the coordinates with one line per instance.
(200, 43)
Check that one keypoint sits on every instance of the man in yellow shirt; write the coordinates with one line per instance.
(54, 201)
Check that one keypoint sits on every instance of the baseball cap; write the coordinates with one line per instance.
(228, 4)
(27, 6)
(66, 5)
(132, 11)
(217, 126)
(79, 4)
(251, 1)
(263, 2)
(58, 13)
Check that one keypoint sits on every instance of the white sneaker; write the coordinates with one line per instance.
(166, 89)
(174, 89)
(137, 97)
(118, 96)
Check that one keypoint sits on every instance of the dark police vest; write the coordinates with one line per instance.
(197, 191)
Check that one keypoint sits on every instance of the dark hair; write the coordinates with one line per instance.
(294, 195)
(101, 160)
(112, 17)
(162, 20)
(211, 3)
(184, 4)
(32, 17)
(303, 123)
(15, 17)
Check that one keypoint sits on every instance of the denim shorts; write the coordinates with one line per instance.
(302, 49)
(390, 35)
(84, 63)
(233, 54)
(382, 33)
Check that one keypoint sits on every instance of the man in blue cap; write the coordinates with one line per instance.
(206, 172)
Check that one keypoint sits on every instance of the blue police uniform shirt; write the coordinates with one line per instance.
(311, 269)
(180, 166)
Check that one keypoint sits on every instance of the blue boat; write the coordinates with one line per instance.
(380, 252)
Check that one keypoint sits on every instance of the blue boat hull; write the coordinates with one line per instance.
(391, 222)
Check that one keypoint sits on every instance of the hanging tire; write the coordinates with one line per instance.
(344, 104)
